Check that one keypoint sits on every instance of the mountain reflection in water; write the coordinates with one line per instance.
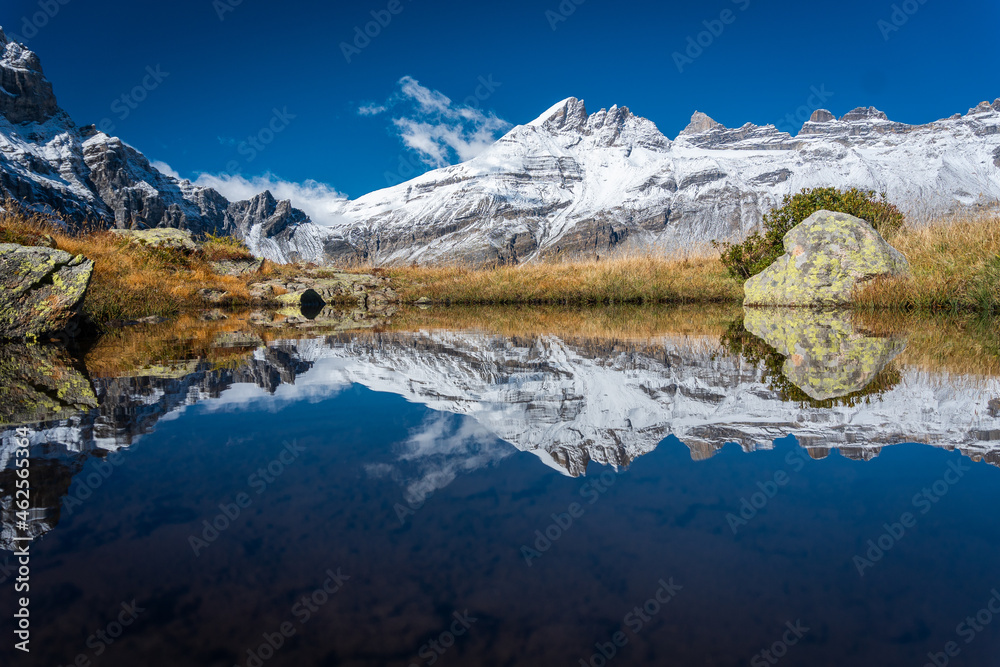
(571, 389)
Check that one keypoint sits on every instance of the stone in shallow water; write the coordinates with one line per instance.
(825, 356)
(826, 256)
(40, 383)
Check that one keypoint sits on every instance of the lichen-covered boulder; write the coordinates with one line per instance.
(40, 289)
(825, 356)
(826, 256)
(160, 237)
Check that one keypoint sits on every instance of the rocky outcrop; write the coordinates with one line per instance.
(312, 289)
(85, 176)
(177, 239)
(826, 256)
(825, 356)
(40, 289)
(25, 94)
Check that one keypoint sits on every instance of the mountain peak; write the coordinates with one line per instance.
(25, 94)
(570, 113)
(984, 107)
(864, 113)
(700, 123)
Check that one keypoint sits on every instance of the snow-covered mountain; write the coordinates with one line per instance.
(567, 182)
(577, 183)
(51, 165)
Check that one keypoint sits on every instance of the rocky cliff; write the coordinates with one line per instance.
(51, 165)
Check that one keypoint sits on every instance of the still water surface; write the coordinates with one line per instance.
(511, 488)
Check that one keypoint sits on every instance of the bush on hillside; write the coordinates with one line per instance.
(761, 248)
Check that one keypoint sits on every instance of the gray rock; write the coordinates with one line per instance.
(826, 256)
(236, 267)
(29, 97)
(178, 239)
(701, 123)
(40, 290)
(821, 116)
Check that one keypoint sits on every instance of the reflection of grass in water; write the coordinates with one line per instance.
(601, 322)
(955, 344)
(961, 344)
(736, 340)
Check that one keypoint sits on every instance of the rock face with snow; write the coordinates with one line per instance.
(573, 182)
(827, 256)
(51, 165)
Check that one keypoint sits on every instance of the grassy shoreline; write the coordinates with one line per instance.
(955, 264)
(955, 268)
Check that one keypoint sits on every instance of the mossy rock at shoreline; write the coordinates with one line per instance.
(826, 256)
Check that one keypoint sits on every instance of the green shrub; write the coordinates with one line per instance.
(760, 249)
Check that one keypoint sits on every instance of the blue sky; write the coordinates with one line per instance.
(438, 80)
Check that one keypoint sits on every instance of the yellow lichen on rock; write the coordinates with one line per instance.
(826, 256)
(825, 356)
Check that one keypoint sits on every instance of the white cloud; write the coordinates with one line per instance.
(164, 168)
(371, 109)
(435, 454)
(440, 131)
(320, 202)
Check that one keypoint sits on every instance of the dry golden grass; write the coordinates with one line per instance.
(132, 281)
(186, 337)
(955, 264)
(625, 278)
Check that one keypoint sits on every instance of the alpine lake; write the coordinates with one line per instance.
(505, 486)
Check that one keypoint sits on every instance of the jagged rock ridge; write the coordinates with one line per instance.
(82, 175)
